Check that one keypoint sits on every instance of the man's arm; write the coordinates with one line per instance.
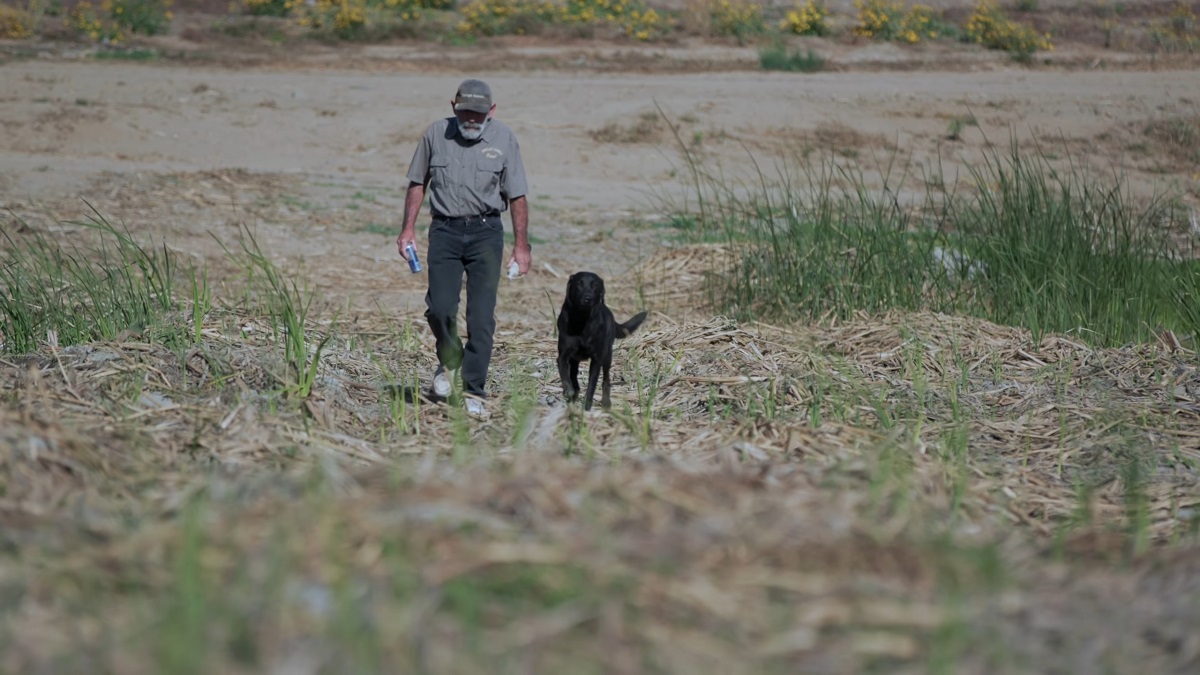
(522, 253)
(418, 176)
(412, 208)
(515, 184)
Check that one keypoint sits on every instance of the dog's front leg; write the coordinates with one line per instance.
(593, 378)
(567, 377)
(574, 379)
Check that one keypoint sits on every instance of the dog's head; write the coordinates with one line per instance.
(585, 289)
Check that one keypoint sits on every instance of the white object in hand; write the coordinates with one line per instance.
(513, 270)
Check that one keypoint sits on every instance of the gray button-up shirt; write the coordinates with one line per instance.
(468, 178)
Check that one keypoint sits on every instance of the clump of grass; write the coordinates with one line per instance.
(955, 126)
(67, 290)
(1026, 245)
(201, 303)
(1179, 136)
(287, 307)
(646, 128)
(780, 58)
(1184, 292)
(137, 54)
(1065, 253)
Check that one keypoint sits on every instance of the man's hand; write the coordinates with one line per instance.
(522, 253)
(523, 258)
(412, 207)
(407, 236)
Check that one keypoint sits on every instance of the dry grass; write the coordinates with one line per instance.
(1177, 137)
(835, 138)
(911, 492)
(648, 128)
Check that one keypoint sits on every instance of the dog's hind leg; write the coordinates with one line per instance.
(593, 377)
(605, 400)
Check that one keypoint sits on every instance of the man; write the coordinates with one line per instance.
(472, 165)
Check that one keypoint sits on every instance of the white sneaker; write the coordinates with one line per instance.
(475, 407)
(441, 383)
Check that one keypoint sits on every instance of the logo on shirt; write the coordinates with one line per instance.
(492, 153)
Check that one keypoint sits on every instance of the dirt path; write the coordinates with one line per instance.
(67, 121)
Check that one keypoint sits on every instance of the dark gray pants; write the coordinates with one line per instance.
(473, 247)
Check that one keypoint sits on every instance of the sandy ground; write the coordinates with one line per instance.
(67, 122)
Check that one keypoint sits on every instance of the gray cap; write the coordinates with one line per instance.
(473, 95)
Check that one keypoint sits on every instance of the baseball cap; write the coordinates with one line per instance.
(473, 95)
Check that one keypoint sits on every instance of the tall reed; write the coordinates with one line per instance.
(1023, 243)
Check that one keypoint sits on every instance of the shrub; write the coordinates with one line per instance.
(632, 17)
(807, 19)
(114, 19)
(363, 19)
(146, 17)
(1183, 19)
(921, 22)
(407, 10)
(1180, 32)
(15, 24)
(344, 18)
(643, 25)
(269, 7)
(87, 21)
(735, 18)
(877, 18)
(886, 20)
(501, 17)
(991, 28)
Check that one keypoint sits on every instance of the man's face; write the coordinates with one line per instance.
(470, 123)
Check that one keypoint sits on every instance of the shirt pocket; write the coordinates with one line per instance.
(439, 172)
(487, 174)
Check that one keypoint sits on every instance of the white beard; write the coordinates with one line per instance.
(472, 133)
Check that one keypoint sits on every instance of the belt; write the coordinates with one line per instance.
(465, 220)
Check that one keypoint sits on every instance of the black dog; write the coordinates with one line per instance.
(586, 330)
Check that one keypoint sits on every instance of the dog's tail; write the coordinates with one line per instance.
(626, 329)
